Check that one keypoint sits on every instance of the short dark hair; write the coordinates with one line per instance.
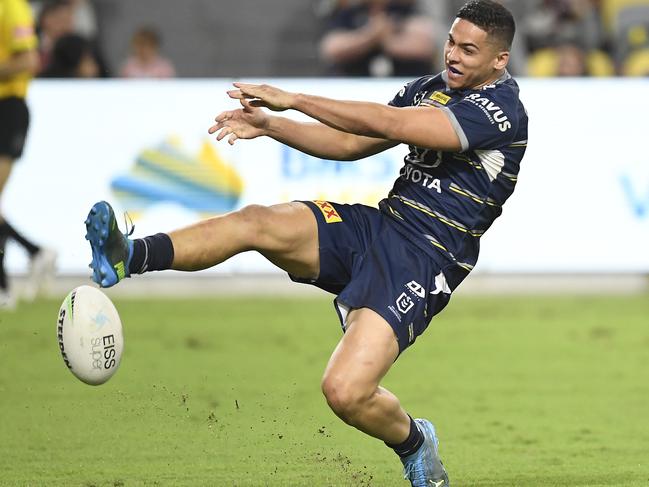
(492, 17)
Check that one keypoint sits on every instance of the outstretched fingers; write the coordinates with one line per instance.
(215, 127)
(222, 120)
(224, 131)
(243, 91)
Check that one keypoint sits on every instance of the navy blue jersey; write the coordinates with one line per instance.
(445, 201)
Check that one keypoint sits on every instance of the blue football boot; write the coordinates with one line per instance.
(424, 468)
(111, 249)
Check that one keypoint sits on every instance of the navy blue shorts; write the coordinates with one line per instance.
(369, 264)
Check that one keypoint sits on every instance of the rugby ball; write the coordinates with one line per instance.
(90, 335)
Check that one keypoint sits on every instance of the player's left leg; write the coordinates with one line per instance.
(351, 386)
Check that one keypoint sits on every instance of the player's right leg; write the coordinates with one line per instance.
(286, 234)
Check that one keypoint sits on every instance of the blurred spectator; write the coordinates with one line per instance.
(566, 38)
(378, 38)
(627, 23)
(145, 60)
(56, 19)
(554, 21)
(571, 60)
(72, 57)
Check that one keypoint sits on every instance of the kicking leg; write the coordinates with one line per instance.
(286, 234)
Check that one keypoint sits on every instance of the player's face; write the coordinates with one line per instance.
(472, 60)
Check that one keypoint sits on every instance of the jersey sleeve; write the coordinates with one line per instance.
(21, 27)
(406, 95)
(485, 119)
(399, 99)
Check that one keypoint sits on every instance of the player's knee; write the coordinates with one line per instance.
(253, 219)
(344, 398)
(253, 214)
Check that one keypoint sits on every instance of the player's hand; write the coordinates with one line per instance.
(246, 123)
(263, 96)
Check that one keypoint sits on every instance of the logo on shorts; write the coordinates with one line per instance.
(329, 212)
(405, 300)
(404, 303)
(416, 288)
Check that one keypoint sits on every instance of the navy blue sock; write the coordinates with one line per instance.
(153, 253)
(413, 442)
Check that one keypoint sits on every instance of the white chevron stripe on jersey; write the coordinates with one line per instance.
(492, 161)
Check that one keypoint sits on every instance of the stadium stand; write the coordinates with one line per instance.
(219, 39)
(234, 43)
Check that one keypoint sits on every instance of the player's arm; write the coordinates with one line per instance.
(25, 62)
(427, 127)
(316, 139)
(319, 140)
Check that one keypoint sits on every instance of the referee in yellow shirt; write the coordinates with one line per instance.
(18, 64)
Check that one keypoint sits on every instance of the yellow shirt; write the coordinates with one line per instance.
(16, 35)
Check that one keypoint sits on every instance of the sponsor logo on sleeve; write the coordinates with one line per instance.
(440, 97)
(328, 211)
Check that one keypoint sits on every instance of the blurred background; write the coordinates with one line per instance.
(202, 38)
(126, 90)
(536, 374)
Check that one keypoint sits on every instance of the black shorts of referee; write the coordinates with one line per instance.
(14, 122)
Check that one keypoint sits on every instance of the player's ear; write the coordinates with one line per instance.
(501, 60)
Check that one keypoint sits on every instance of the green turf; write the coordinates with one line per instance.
(225, 392)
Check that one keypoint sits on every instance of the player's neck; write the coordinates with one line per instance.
(492, 80)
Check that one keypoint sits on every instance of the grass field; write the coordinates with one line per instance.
(226, 392)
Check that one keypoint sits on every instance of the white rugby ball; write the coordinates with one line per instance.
(90, 335)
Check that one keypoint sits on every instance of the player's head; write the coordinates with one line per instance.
(477, 49)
